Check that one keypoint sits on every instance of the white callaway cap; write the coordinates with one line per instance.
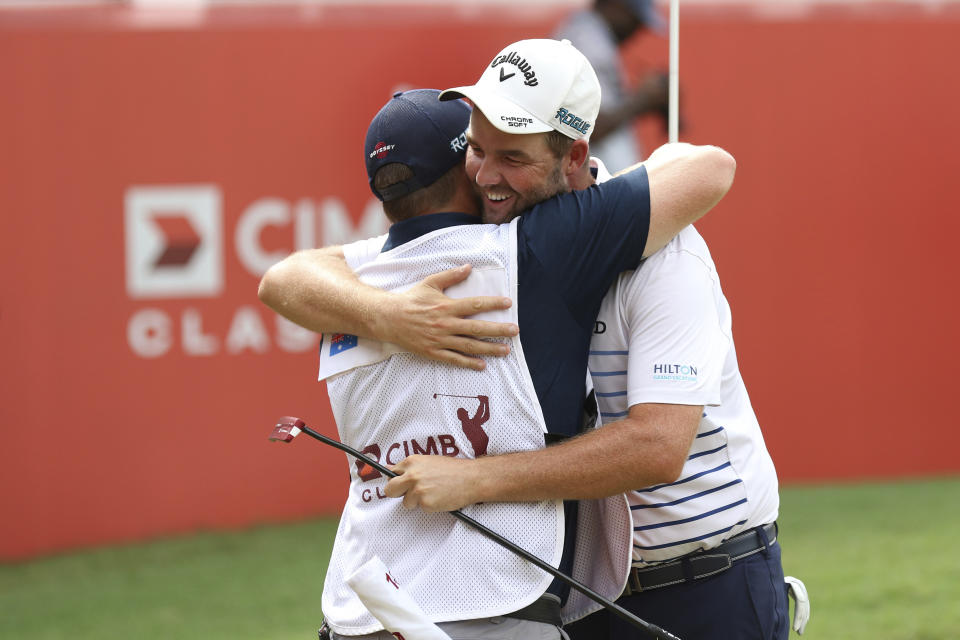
(533, 86)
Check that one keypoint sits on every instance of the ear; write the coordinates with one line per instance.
(576, 158)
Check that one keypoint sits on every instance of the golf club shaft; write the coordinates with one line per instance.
(652, 629)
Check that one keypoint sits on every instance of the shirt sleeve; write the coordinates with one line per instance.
(677, 346)
(582, 240)
(363, 251)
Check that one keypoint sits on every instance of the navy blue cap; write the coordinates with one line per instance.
(416, 129)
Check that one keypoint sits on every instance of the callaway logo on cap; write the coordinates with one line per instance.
(533, 86)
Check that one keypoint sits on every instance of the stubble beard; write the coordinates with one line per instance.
(553, 185)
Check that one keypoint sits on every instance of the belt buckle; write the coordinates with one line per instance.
(633, 582)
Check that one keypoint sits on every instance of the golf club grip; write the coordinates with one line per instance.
(652, 629)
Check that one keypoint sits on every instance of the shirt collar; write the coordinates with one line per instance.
(412, 228)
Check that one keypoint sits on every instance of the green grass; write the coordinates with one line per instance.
(879, 562)
(263, 583)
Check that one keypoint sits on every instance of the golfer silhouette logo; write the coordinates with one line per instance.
(472, 426)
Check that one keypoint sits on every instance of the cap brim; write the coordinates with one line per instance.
(500, 112)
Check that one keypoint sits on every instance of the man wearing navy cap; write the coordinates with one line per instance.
(414, 156)
(599, 32)
(553, 265)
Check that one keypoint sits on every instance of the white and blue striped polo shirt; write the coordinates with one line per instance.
(663, 335)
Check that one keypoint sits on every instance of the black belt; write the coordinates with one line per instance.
(701, 564)
(546, 609)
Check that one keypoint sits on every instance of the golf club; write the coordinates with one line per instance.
(289, 428)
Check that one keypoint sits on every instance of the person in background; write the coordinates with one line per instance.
(599, 32)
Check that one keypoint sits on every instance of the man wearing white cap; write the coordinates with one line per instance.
(535, 87)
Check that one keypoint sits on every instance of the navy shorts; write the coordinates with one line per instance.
(748, 601)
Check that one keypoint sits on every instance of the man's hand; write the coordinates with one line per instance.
(648, 447)
(433, 483)
(427, 322)
(652, 95)
(318, 290)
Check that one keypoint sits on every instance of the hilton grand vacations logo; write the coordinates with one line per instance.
(680, 372)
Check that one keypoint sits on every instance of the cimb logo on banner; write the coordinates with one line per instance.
(176, 249)
(174, 238)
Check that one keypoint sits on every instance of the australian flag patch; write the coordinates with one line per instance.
(340, 342)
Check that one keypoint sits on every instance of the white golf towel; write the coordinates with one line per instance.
(801, 603)
(390, 605)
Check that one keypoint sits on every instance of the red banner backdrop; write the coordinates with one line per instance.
(154, 164)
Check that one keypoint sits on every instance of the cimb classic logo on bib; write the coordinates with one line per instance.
(444, 444)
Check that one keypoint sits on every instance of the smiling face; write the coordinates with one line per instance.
(511, 172)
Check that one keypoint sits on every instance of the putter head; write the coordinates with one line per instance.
(287, 429)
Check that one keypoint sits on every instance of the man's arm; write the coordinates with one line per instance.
(646, 448)
(686, 181)
(317, 290)
(305, 288)
(670, 315)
